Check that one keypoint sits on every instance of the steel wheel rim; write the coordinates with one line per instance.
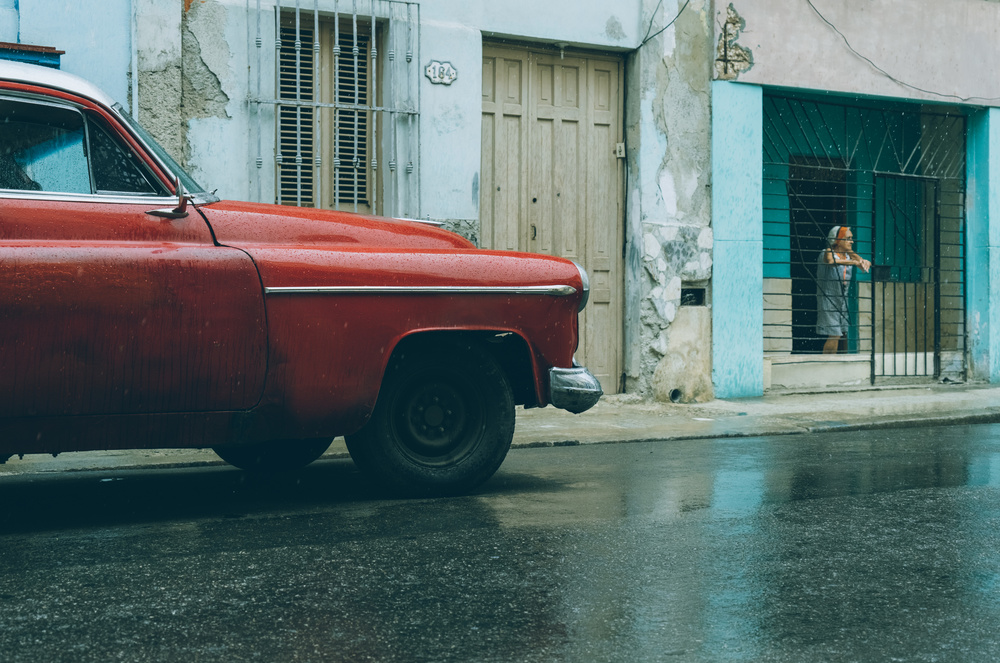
(438, 422)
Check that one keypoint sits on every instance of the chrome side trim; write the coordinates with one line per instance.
(554, 290)
(19, 194)
(426, 222)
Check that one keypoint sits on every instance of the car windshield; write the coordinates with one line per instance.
(190, 186)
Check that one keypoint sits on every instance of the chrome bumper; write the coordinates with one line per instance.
(573, 389)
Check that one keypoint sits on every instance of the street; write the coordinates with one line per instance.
(857, 546)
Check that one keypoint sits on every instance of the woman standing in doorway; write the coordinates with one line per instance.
(835, 267)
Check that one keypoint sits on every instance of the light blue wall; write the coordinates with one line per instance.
(95, 35)
(737, 221)
(9, 27)
(983, 244)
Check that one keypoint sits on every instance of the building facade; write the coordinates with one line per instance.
(691, 154)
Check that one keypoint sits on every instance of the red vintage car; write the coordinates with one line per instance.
(138, 310)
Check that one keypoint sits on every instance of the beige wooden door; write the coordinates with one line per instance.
(551, 180)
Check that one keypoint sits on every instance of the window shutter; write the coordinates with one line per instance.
(352, 139)
(296, 133)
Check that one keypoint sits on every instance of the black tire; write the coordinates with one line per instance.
(274, 456)
(442, 425)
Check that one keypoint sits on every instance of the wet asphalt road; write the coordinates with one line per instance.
(847, 547)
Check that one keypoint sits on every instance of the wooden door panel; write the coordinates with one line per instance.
(604, 223)
(542, 210)
(502, 198)
(488, 147)
(569, 193)
(551, 179)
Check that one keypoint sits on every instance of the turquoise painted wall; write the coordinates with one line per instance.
(737, 222)
(983, 244)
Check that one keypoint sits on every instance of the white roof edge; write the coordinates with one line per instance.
(54, 78)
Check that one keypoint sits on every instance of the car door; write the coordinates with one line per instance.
(105, 308)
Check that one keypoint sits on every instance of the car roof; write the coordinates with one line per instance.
(22, 72)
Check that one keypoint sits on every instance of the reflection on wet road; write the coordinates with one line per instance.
(848, 547)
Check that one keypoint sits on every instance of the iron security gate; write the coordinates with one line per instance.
(895, 175)
(339, 109)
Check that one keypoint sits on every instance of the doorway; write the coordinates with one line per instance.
(817, 201)
(552, 177)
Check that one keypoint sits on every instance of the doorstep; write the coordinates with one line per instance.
(790, 372)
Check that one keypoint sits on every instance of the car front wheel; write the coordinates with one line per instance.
(443, 422)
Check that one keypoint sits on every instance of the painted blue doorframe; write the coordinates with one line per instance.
(737, 222)
(983, 244)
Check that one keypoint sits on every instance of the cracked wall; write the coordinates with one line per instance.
(203, 52)
(731, 59)
(158, 26)
(181, 54)
(669, 234)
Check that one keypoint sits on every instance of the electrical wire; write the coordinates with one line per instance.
(886, 73)
(653, 18)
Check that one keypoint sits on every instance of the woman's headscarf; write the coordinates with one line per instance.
(837, 232)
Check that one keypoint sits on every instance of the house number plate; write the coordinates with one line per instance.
(441, 73)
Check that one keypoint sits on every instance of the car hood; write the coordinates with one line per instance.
(255, 224)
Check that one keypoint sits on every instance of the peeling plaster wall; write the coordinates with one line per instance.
(206, 61)
(214, 54)
(731, 58)
(190, 97)
(158, 30)
(684, 375)
(669, 234)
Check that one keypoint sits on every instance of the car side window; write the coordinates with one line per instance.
(116, 168)
(58, 149)
(42, 148)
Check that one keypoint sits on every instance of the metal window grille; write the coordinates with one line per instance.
(345, 102)
(896, 175)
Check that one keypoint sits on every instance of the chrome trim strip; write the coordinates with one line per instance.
(19, 194)
(554, 290)
(426, 222)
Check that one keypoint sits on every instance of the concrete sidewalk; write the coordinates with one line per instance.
(625, 418)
